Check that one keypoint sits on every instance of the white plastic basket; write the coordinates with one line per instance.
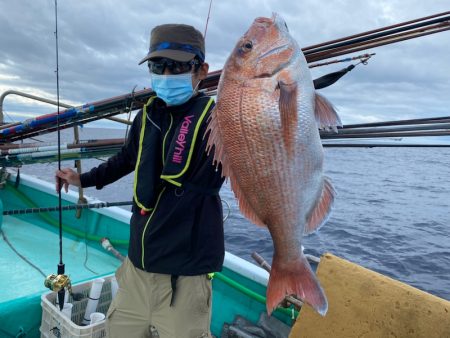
(54, 324)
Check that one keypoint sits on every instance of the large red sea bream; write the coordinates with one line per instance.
(264, 130)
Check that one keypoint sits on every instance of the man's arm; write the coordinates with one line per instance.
(110, 171)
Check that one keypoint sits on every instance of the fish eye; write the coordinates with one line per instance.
(247, 46)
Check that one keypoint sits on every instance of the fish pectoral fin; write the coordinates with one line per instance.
(322, 209)
(326, 116)
(294, 278)
(288, 114)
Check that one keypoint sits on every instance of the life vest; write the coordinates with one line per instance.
(154, 164)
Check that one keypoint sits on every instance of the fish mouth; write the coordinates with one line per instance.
(273, 51)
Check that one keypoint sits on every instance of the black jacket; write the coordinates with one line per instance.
(182, 234)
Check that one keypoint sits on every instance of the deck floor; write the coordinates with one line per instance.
(41, 247)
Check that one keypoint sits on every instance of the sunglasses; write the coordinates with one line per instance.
(174, 67)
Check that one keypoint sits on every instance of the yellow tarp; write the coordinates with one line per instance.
(366, 304)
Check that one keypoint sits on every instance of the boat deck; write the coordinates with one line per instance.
(26, 238)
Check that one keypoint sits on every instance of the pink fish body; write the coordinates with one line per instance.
(264, 129)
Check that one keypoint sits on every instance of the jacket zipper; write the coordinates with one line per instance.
(146, 224)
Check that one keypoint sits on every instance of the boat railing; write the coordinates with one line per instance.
(45, 100)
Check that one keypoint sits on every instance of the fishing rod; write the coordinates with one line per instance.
(384, 145)
(50, 156)
(443, 119)
(356, 47)
(364, 58)
(376, 30)
(379, 33)
(60, 281)
(97, 205)
(326, 135)
(10, 149)
(16, 156)
(345, 131)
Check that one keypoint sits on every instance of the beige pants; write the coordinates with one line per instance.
(142, 305)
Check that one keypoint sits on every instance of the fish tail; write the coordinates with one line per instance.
(295, 278)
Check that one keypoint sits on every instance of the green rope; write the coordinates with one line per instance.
(252, 294)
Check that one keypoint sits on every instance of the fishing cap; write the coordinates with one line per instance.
(177, 42)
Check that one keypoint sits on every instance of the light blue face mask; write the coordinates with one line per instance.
(173, 89)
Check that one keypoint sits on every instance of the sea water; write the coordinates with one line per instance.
(392, 212)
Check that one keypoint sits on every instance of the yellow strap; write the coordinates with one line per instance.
(141, 140)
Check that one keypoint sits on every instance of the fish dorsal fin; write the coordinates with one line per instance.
(326, 116)
(215, 143)
(322, 209)
(288, 114)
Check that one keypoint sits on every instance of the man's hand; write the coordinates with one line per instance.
(67, 176)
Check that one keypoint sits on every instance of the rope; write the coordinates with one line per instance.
(20, 255)
(86, 253)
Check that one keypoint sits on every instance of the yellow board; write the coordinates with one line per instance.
(366, 304)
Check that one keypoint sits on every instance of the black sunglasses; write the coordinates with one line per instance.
(174, 67)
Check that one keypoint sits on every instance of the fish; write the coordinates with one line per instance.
(264, 132)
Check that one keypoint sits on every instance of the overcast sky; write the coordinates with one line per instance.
(101, 42)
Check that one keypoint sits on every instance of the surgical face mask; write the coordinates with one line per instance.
(173, 89)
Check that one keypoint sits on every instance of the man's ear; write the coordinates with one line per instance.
(203, 71)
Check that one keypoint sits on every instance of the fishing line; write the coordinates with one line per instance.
(129, 114)
(207, 19)
(59, 134)
(86, 253)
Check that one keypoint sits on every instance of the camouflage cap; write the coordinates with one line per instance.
(177, 42)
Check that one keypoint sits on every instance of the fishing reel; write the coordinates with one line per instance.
(58, 282)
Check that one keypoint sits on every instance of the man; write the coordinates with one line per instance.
(176, 228)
